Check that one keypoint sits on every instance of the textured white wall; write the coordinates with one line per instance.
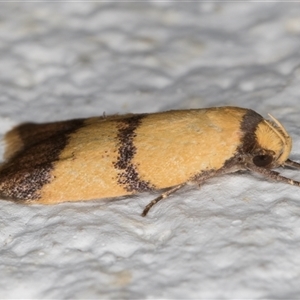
(236, 237)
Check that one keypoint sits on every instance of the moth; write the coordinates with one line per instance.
(111, 156)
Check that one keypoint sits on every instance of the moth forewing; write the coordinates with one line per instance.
(112, 156)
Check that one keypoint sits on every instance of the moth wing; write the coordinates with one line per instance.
(27, 135)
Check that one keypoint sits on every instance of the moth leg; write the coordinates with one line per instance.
(292, 164)
(162, 196)
(273, 175)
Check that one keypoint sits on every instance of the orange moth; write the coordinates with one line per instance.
(119, 155)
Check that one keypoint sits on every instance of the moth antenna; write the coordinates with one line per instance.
(276, 131)
(279, 125)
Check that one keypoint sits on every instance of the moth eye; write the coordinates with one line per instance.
(262, 160)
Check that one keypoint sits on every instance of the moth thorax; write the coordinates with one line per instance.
(273, 140)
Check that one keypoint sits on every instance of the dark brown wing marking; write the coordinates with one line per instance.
(29, 167)
(249, 124)
(128, 176)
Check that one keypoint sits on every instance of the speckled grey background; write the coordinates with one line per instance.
(236, 237)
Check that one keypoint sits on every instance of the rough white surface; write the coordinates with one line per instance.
(236, 237)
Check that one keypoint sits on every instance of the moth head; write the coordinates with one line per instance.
(273, 144)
